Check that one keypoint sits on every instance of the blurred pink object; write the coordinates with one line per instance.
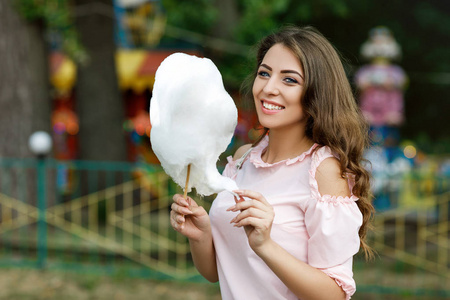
(381, 83)
(381, 98)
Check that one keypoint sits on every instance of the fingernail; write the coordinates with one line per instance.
(239, 192)
(231, 208)
(232, 220)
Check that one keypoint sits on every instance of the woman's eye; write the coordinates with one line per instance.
(263, 74)
(290, 80)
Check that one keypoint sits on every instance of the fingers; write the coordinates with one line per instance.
(179, 208)
(238, 199)
(252, 195)
(177, 221)
(254, 222)
(242, 205)
(250, 213)
(259, 203)
(255, 212)
(182, 210)
(177, 198)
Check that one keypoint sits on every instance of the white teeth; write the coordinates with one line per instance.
(271, 106)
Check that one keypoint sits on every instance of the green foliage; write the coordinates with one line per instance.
(195, 15)
(430, 17)
(435, 24)
(261, 17)
(53, 13)
(56, 17)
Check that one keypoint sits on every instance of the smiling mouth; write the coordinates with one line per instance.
(270, 106)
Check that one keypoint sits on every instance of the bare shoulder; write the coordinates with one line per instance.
(241, 151)
(329, 179)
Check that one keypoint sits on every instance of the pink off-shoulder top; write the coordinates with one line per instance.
(321, 230)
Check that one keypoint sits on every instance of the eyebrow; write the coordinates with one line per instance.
(283, 71)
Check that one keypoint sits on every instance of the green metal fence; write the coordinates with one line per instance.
(113, 218)
(91, 216)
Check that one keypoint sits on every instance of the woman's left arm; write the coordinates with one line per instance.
(304, 281)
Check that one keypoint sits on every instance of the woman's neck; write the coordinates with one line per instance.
(285, 145)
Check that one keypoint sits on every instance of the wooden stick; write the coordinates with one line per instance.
(187, 181)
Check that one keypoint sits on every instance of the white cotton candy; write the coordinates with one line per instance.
(193, 119)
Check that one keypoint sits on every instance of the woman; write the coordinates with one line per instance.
(307, 200)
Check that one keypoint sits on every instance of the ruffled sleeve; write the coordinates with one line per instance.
(332, 223)
(230, 168)
(234, 165)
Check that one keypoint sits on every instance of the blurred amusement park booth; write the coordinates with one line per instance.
(394, 161)
(139, 27)
(113, 217)
(136, 74)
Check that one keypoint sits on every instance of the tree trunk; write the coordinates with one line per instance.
(99, 103)
(227, 19)
(25, 104)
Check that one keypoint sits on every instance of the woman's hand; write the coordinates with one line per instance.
(189, 219)
(256, 217)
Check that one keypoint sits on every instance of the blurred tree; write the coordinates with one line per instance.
(226, 21)
(25, 100)
(24, 87)
(99, 102)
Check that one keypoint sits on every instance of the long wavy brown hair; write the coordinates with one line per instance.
(334, 118)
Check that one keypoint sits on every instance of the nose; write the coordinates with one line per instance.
(271, 86)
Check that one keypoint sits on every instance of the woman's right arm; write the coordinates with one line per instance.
(192, 221)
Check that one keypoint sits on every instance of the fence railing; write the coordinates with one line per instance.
(114, 218)
(109, 217)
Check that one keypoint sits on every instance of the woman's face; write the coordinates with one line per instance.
(278, 89)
